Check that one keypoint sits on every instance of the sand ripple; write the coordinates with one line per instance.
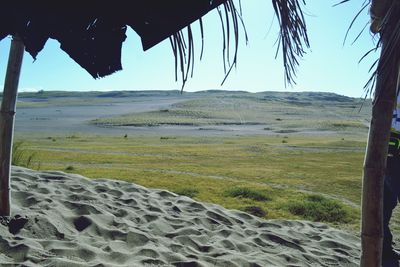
(68, 220)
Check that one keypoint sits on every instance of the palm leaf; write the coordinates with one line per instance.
(293, 36)
(292, 40)
(390, 55)
(183, 45)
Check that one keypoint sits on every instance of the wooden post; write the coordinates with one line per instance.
(375, 163)
(7, 113)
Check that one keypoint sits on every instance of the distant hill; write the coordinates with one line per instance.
(301, 97)
(87, 94)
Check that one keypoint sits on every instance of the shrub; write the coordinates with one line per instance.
(321, 209)
(247, 193)
(256, 211)
(166, 137)
(70, 168)
(189, 192)
(286, 131)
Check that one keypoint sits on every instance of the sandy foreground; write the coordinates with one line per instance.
(64, 219)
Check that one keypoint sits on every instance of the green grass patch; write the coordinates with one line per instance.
(70, 168)
(170, 117)
(333, 124)
(320, 209)
(243, 192)
(189, 192)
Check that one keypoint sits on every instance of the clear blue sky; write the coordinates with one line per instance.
(329, 66)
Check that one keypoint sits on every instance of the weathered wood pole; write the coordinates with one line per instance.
(375, 157)
(7, 113)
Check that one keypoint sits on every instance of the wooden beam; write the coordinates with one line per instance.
(7, 113)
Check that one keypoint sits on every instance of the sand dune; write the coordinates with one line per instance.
(62, 219)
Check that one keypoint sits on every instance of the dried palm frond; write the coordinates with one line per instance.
(363, 7)
(293, 34)
(374, 25)
(293, 38)
(183, 46)
(385, 21)
(389, 30)
(184, 53)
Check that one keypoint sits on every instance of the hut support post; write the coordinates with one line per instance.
(7, 113)
(375, 165)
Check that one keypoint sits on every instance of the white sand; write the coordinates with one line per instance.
(62, 219)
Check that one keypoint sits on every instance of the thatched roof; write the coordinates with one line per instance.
(92, 32)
